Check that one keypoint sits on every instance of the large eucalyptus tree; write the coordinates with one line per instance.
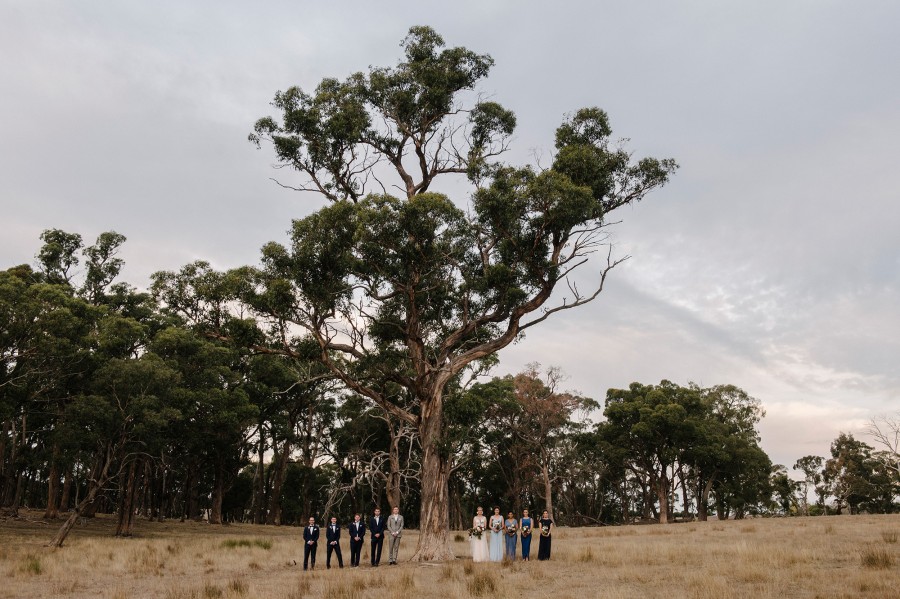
(398, 283)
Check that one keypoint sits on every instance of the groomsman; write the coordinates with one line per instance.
(395, 528)
(311, 536)
(376, 529)
(333, 536)
(357, 532)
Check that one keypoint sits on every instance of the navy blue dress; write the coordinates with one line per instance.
(544, 546)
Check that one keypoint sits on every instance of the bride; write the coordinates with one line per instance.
(477, 539)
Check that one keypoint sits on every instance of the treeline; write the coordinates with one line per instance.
(172, 404)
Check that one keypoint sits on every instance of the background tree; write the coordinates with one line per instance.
(811, 467)
(885, 430)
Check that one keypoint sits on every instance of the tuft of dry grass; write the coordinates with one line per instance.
(889, 536)
(876, 558)
(341, 590)
(31, 565)
(483, 583)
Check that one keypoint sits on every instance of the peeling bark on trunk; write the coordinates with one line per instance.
(434, 523)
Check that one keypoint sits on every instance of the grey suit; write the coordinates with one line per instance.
(395, 531)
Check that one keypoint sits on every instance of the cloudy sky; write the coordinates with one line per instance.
(772, 260)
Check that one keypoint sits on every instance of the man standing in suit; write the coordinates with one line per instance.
(357, 532)
(376, 528)
(395, 529)
(333, 536)
(311, 536)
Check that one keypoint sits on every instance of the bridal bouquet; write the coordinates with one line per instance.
(511, 530)
(476, 532)
(495, 527)
(526, 531)
(545, 531)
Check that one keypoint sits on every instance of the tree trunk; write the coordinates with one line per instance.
(548, 488)
(393, 482)
(279, 465)
(97, 481)
(434, 522)
(662, 494)
(66, 490)
(703, 501)
(127, 491)
(52, 511)
(4, 469)
(215, 514)
(259, 496)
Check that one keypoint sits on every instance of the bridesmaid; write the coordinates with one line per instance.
(510, 526)
(525, 525)
(496, 524)
(546, 526)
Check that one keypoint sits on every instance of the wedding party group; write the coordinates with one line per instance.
(504, 534)
(378, 528)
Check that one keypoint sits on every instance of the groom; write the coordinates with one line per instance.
(395, 529)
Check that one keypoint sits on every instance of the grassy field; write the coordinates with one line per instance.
(849, 556)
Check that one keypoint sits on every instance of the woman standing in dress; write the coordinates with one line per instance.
(546, 526)
(510, 527)
(496, 524)
(525, 525)
(478, 540)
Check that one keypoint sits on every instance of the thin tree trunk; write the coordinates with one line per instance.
(548, 488)
(259, 496)
(215, 514)
(66, 490)
(52, 511)
(279, 464)
(94, 485)
(393, 482)
(127, 491)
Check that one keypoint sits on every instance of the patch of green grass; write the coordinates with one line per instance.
(235, 543)
(32, 565)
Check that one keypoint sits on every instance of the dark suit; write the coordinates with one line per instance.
(357, 529)
(333, 536)
(376, 528)
(310, 533)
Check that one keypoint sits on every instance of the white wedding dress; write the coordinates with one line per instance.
(480, 546)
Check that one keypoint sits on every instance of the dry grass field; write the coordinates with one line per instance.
(856, 556)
